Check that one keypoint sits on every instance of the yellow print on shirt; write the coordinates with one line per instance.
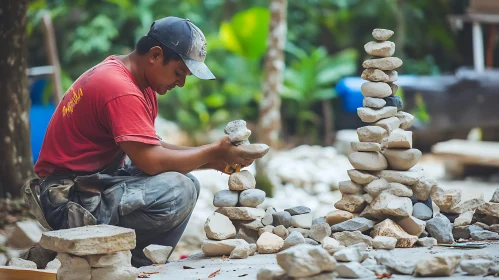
(75, 99)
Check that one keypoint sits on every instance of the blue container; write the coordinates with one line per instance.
(39, 117)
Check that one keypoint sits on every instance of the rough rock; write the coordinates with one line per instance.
(394, 88)
(394, 101)
(319, 220)
(440, 228)
(358, 223)
(371, 133)
(349, 187)
(488, 208)
(386, 63)
(368, 198)
(302, 231)
(240, 252)
(89, 240)
(353, 270)
(348, 238)
(401, 159)
(253, 249)
(399, 139)
(382, 34)
(124, 257)
(353, 203)
(406, 119)
(427, 242)
(268, 228)
(240, 181)
(350, 254)
(391, 229)
(447, 199)
(389, 124)
(381, 49)
(25, 234)
(302, 221)
(271, 273)
(338, 216)
(373, 102)
(252, 225)
(405, 266)
(422, 189)
(384, 242)
(376, 89)
(390, 205)
(115, 273)
(242, 213)
(226, 198)
(319, 231)
(255, 150)
(158, 254)
(365, 147)
(305, 260)
(321, 276)
(371, 264)
(269, 243)
(331, 245)
(368, 161)
(476, 267)
(268, 219)
(422, 212)
(408, 178)
(376, 187)
(21, 263)
(412, 225)
(361, 177)
(73, 268)
(437, 265)
(370, 115)
(281, 218)
(294, 238)
(237, 131)
(375, 75)
(495, 196)
(467, 205)
(311, 241)
(398, 189)
(251, 198)
(281, 231)
(461, 232)
(250, 236)
(219, 227)
(298, 210)
(484, 235)
(219, 248)
(464, 219)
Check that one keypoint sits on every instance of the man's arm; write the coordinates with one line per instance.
(174, 147)
(217, 164)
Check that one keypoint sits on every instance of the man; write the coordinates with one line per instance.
(108, 113)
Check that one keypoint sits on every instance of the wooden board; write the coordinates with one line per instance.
(14, 273)
(469, 152)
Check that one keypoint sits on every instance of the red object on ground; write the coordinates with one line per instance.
(183, 257)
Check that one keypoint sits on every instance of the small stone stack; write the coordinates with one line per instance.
(92, 252)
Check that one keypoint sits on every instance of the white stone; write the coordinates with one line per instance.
(381, 49)
(219, 227)
(350, 254)
(73, 268)
(251, 198)
(476, 267)
(390, 205)
(422, 189)
(349, 187)
(447, 199)
(26, 233)
(280, 231)
(368, 161)
(53, 265)
(21, 263)
(237, 131)
(437, 265)
(271, 273)
(353, 203)
(268, 219)
(371, 133)
(408, 178)
(269, 243)
(348, 238)
(391, 229)
(219, 248)
(294, 238)
(464, 219)
(361, 177)
(305, 260)
(240, 252)
(320, 231)
(401, 159)
(468, 205)
(375, 75)
(412, 225)
(119, 258)
(268, 228)
(242, 213)
(368, 198)
(302, 221)
(384, 242)
(370, 115)
(376, 89)
(373, 102)
(399, 139)
(331, 245)
(366, 147)
(389, 124)
(353, 270)
(241, 181)
(382, 34)
(115, 273)
(405, 118)
(376, 187)
(89, 240)
(385, 63)
(158, 254)
(427, 242)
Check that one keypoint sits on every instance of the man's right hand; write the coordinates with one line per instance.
(232, 154)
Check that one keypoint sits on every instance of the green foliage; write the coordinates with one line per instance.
(420, 111)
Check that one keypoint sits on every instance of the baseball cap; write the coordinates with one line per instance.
(186, 39)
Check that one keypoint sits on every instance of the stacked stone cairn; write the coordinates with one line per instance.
(92, 252)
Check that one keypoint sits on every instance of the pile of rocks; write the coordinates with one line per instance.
(92, 252)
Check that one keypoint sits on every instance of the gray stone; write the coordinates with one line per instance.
(123, 258)
(269, 243)
(394, 101)
(484, 235)
(302, 221)
(386, 63)
(305, 260)
(353, 270)
(319, 231)
(250, 236)
(219, 248)
(219, 227)
(89, 240)
(21, 263)
(371, 133)
(240, 252)
(427, 242)
(358, 223)
(282, 218)
(382, 34)
(268, 228)
(73, 268)
(468, 205)
(370, 115)
(3, 259)
(405, 266)
(115, 273)
(226, 198)
(158, 254)
(373, 102)
(298, 210)
(240, 181)
(371, 264)
(361, 177)
(242, 213)
(348, 238)
(384, 242)
(253, 249)
(350, 254)
(440, 228)
(319, 220)
(251, 198)
(304, 232)
(281, 231)
(321, 276)
(294, 238)
(268, 219)
(437, 265)
(310, 241)
(476, 267)
(237, 131)
(365, 146)
(421, 211)
(252, 225)
(461, 232)
(349, 187)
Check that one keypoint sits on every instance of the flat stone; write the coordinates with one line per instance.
(269, 243)
(376, 187)
(122, 258)
(255, 151)
(348, 238)
(319, 231)
(219, 227)
(447, 199)
(358, 223)
(391, 229)
(400, 266)
(271, 273)
(464, 219)
(267, 228)
(365, 147)
(484, 235)
(319, 220)
(373, 102)
(294, 238)
(21, 263)
(371, 264)
(427, 242)
(370, 115)
(385, 63)
(349, 187)
(350, 254)
(440, 228)
(401, 159)
(375, 89)
(251, 198)
(282, 218)
(468, 205)
(250, 236)
(361, 177)
(298, 210)
(488, 208)
(394, 101)
(115, 273)
(405, 118)
(304, 232)
(412, 225)
(281, 231)
(400, 190)
(321, 276)
(368, 161)
(437, 265)
(476, 267)
(311, 241)
(89, 240)
(252, 225)
(353, 270)
(237, 131)
(422, 212)
(390, 205)
(219, 248)
(399, 139)
(382, 34)
(302, 221)
(158, 254)
(240, 181)
(389, 124)
(384, 242)
(241, 213)
(268, 219)
(73, 268)
(240, 252)
(25, 234)
(338, 216)
(408, 178)
(375, 75)
(353, 203)
(381, 49)
(55, 264)
(226, 198)
(422, 189)
(331, 245)
(371, 133)
(461, 232)
(305, 260)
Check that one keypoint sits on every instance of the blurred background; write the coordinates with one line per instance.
(449, 81)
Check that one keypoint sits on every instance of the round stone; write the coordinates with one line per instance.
(226, 198)
(251, 198)
(421, 211)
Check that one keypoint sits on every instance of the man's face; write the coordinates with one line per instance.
(164, 77)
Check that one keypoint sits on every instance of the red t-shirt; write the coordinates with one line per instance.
(102, 108)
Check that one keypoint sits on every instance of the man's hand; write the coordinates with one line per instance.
(233, 155)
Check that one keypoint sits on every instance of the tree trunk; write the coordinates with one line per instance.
(15, 153)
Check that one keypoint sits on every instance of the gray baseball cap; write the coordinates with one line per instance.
(186, 39)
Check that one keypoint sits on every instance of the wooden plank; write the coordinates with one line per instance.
(469, 152)
(15, 273)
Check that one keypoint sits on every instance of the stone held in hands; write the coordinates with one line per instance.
(402, 159)
(368, 161)
(381, 49)
(251, 198)
(240, 181)
(225, 198)
(237, 131)
(382, 34)
(305, 260)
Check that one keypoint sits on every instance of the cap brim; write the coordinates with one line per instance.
(198, 69)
